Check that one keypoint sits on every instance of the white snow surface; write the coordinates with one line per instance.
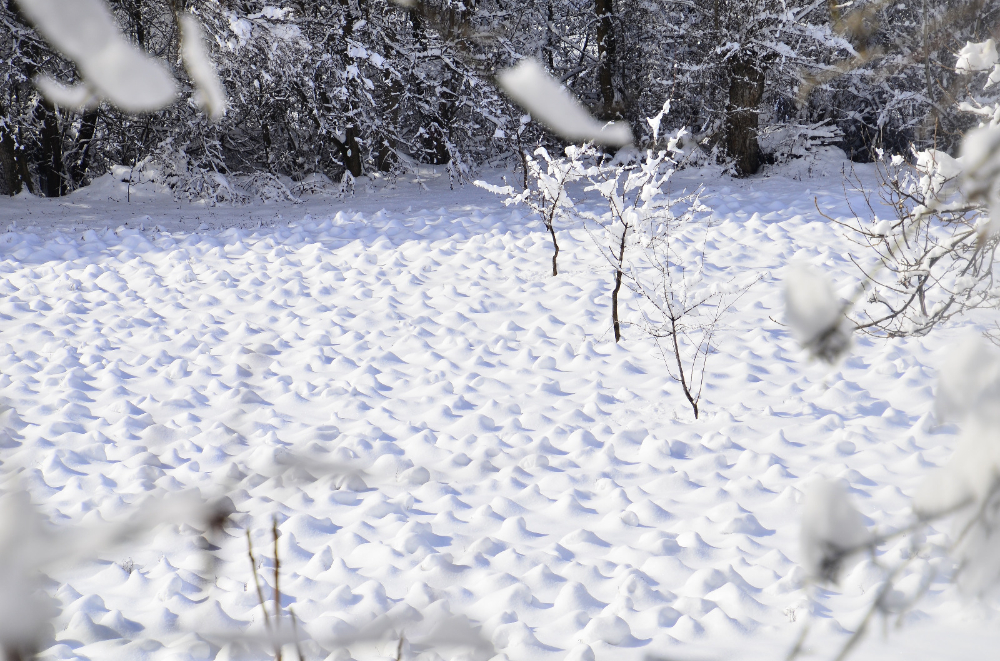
(520, 469)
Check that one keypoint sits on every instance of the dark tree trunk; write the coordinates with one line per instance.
(549, 38)
(438, 131)
(607, 54)
(618, 285)
(50, 161)
(10, 170)
(88, 126)
(746, 90)
(352, 151)
(434, 141)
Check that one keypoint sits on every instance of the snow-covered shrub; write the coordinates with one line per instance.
(546, 193)
(929, 252)
(680, 308)
(784, 142)
(266, 187)
(170, 166)
(931, 236)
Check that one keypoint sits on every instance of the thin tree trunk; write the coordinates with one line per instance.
(549, 41)
(606, 51)
(618, 286)
(931, 123)
(88, 126)
(10, 171)
(555, 248)
(50, 163)
(680, 368)
(350, 149)
(746, 90)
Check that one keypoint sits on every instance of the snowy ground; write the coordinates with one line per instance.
(522, 470)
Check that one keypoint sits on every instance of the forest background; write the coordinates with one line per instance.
(322, 88)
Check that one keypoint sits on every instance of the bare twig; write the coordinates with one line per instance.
(295, 634)
(260, 598)
(277, 577)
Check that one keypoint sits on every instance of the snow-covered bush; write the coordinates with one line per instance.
(679, 307)
(928, 256)
(931, 236)
(787, 141)
(546, 193)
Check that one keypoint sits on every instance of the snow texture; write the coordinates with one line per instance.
(513, 464)
(531, 86)
(977, 56)
(86, 32)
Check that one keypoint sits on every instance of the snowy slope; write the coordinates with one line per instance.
(520, 469)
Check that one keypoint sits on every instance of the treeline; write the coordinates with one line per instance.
(354, 86)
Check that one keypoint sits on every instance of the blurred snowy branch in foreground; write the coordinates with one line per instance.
(112, 68)
(29, 548)
(967, 488)
(535, 90)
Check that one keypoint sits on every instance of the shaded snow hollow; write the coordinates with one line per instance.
(522, 470)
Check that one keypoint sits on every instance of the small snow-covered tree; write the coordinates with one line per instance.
(545, 193)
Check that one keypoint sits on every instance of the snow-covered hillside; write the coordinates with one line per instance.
(519, 468)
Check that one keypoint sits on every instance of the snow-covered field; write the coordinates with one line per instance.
(520, 468)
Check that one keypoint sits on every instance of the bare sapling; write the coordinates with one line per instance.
(628, 191)
(681, 310)
(678, 306)
(545, 190)
(631, 186)
(931, 237)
